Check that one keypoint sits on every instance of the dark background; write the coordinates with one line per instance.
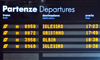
(82, 7)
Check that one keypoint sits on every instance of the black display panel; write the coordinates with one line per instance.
(50, 30)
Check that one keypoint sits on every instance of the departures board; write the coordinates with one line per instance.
(50, 30)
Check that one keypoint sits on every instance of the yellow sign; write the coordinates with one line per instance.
(5, 26)
(17, 33)
(17, 46)
(5, 46)
(17, 40)
(5, 32)
(5, 39)
(17, 26)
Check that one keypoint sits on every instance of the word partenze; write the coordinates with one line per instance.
(34, 9)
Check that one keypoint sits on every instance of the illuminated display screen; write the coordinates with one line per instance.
(50, 30)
